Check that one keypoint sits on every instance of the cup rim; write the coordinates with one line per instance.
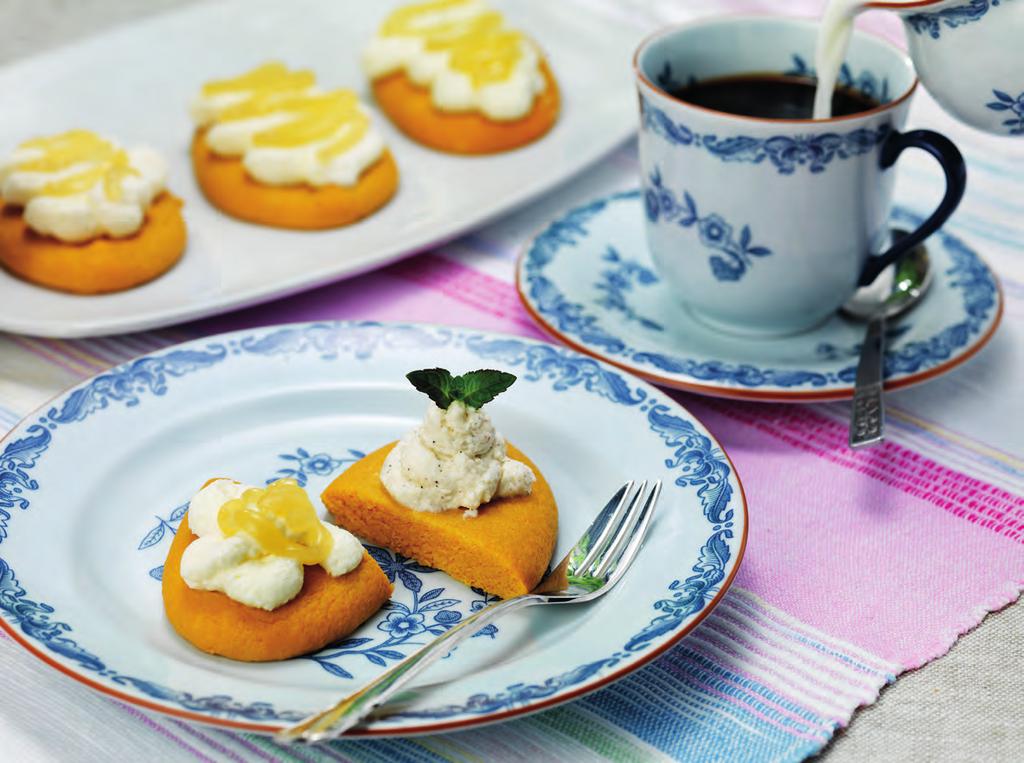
(800, 20)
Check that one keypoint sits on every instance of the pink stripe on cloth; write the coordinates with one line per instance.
(115, 349)
(882, 23)
(397, 293)
(249, 746)
(785, 627)
(99, 350)
(961, 495)
(730, 632)
(49, 356)
(466, 285)
(163, 731)
(210, 741)
(894, 576)
(713, 646)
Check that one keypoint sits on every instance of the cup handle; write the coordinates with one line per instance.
(952, 162)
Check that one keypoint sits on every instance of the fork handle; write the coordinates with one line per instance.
(336, 720)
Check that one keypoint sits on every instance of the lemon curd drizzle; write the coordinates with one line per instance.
(271, 76)
(305, 116)
(83, 159)
(282, 521)
(478, 45)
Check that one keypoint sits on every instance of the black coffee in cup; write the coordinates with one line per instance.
(769, 96)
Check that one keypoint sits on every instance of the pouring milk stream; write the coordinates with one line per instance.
(833, 42)
(967, 54)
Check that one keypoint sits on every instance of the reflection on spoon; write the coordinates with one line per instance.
(895, 291)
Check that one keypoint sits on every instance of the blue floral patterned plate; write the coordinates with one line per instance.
(94, 485)
(589, 280)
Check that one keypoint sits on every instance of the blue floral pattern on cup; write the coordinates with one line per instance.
(931, 22)
(786, 153)
(667, 81)
(734, 254)
(968, 275)
(1006, 102)
(867, 82)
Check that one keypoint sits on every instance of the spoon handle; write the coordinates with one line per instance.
(867, 418)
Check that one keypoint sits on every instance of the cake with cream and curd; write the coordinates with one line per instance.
(271, 147)
(454, 76)
(80, 213)
(452, 494)
(254, 574)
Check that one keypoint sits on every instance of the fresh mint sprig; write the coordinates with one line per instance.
(475, 388)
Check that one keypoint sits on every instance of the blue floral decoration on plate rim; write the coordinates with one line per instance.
(698, 459)
(577, 326)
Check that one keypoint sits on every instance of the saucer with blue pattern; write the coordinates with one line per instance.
(589, 280)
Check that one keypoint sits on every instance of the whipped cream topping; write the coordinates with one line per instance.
(463, 52)
(286, 130)
(454, 459)
(237, 566)
(78, 186)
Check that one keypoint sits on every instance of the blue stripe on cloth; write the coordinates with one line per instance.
(688, 720)
(711, 735)
(981, 228)
(817, 646)
(398, 750)
(979, 162)
(753, 694)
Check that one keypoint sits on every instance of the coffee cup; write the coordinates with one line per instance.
(766, 226)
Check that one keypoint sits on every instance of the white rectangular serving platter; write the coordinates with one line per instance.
(135, 83)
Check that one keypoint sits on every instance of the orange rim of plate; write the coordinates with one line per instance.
(902, 6)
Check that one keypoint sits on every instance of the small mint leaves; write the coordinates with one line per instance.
(436, 383)
(475, 388)
(479, 387)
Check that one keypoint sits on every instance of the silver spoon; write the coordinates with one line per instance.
(896, 290)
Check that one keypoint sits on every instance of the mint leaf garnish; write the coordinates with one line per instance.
(475, 388)
(435, 383)
(479, 387)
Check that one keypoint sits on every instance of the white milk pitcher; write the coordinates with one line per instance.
(969, 54)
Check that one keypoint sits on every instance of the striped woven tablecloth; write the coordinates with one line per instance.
(860, 566)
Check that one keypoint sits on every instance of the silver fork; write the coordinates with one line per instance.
(592, 568)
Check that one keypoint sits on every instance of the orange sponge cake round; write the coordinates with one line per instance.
(505, 549)
(326, 609)
(98, 266)
(410, 107)
(228, 186)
